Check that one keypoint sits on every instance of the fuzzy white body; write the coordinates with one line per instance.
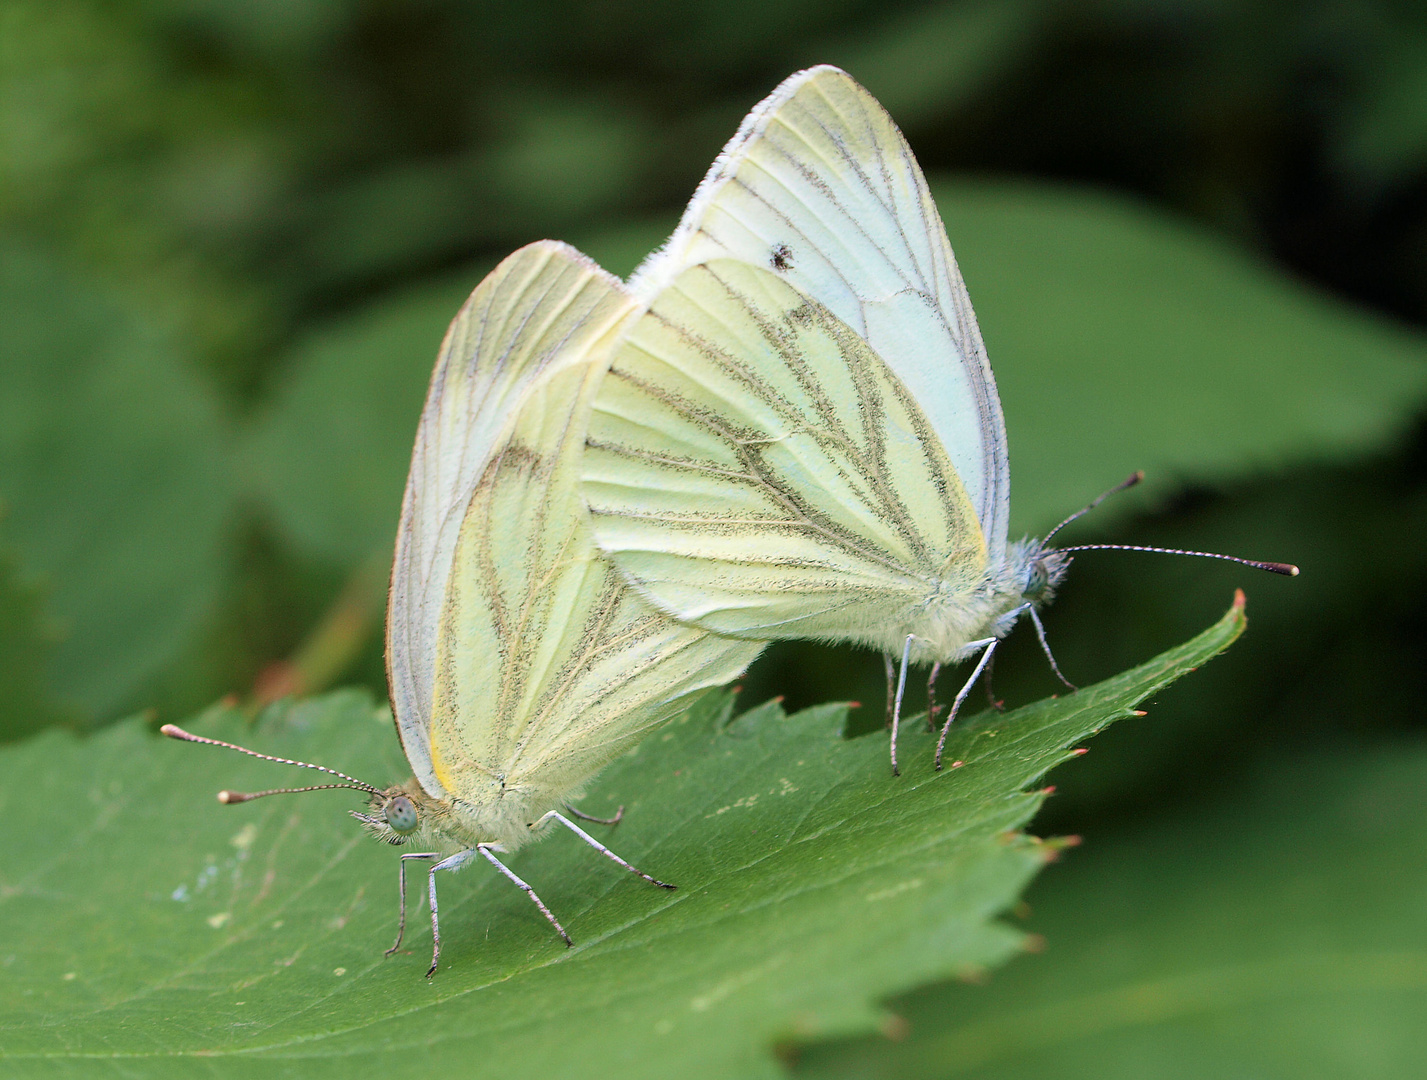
(947, 625)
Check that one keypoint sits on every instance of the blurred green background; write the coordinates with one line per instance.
(232, 234)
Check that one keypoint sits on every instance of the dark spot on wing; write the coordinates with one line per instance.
(516, 458)
(781, 257)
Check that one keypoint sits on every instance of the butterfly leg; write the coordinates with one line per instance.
(990, 644)
(1045, 648)
(887, 666)
(991, 698)
(555, 815)
(574, 812)
(931, 696)
(455, 862)
(401, 884)
(897, 704)
(487, 851)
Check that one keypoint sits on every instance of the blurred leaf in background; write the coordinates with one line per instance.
(115, 478)
(330, 451)
(1145, 343)
(27, 638)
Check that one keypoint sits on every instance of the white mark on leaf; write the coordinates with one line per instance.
(895, 890)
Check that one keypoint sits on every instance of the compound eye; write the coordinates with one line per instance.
(1037, 579)
(400, 814)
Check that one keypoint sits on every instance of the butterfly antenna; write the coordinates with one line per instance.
(225, 796)
(173, 731)
(1129, 482)
(1286, 569)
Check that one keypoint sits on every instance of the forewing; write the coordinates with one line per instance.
(820, 186)
(754, 466)
(548, 664)
(542, 306)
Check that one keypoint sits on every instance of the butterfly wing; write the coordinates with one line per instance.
(754, 466)
(820, 186)
(540, 303)
(549, 664)
(518, 658)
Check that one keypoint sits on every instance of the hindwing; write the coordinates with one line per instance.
(754, 466)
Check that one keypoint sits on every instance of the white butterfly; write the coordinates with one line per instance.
(801, 437)
(519, 661)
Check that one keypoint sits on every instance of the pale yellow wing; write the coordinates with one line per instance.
(543, 303)
(518, 660)
(820, 187)
(549, 665)
(755, 467)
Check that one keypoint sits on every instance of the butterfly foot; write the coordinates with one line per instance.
(618, 816)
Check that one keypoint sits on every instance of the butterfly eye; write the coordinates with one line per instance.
(400, 814)
(1037, 579)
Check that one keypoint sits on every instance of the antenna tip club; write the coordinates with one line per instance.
(227, 797)
(1286, 569)
(173, 731)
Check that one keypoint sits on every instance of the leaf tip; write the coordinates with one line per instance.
(1050, 849)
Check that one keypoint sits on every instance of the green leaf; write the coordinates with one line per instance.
(114, 478)
(1124, 340)
(144, 926)
(1385, 136)
(1280, 933)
